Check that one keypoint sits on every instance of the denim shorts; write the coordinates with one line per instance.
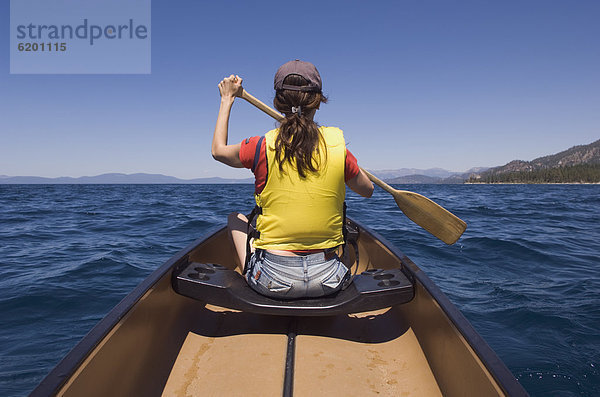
(290, 277)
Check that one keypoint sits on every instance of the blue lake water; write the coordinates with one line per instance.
(526, 273)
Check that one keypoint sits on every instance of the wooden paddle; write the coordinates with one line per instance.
(421, 210)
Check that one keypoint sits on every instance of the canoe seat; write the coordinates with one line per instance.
(219, 286)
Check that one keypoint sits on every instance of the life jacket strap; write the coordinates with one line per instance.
(344, 231)
(251, 233)
(351, 238)
(257, 153)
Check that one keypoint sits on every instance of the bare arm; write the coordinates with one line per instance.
(229, 88)
(361, 184)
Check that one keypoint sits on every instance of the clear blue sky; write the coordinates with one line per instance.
(451, 84)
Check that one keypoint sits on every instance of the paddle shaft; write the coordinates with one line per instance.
(265, 108)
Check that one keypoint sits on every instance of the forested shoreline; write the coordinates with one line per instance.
(581, 173)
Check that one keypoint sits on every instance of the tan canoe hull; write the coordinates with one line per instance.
(156, 342)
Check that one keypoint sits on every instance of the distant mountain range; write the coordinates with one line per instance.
(579, 163)
(118, 179)
(398, 173)
(404, 175)
(582, 154)
(438, 175)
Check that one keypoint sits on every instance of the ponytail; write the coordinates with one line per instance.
(299, 141)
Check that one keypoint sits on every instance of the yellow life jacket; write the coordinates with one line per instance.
(303, 214)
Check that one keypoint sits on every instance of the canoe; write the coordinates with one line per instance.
(194, 328)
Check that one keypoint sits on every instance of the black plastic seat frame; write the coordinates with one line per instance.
(216, 285)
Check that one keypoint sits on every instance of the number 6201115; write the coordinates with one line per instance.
(34, 47)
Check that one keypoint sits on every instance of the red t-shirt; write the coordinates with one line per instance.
(248, 154)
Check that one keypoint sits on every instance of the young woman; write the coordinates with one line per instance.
(300, 170)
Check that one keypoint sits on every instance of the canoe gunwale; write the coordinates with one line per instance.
(505, 379)
(58, 376)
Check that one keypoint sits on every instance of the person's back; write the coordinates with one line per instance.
(300, 170)
(303, 213)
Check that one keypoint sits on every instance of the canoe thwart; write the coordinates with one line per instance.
(216, 285)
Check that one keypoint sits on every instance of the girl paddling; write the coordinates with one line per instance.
(300, 174)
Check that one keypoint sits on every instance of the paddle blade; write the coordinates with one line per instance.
(430, 216)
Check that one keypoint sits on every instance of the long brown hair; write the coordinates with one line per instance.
(299, 141)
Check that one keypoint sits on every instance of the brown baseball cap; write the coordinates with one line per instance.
(300, 68)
